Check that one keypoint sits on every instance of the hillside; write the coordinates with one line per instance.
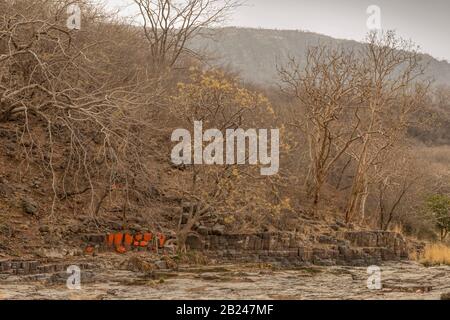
(255, 53)
(131, 169)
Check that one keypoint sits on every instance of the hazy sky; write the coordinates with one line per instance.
(426, 22)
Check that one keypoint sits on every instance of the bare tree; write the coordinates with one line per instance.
(224, 190)
(327, 89)
(393, 94)
(394, 179)
(73, 116)
(168, 25)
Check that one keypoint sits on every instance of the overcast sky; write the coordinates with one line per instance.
(426, 22)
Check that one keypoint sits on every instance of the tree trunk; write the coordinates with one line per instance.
(364, 196)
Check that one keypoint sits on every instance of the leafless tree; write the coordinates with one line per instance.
(393, 93)
(394, 180)
(227, 191)
(169, 25)
(74, 117)
(327, 90)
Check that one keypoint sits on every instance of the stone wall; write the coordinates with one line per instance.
(357, 248)
(26, 267)
(288, 248)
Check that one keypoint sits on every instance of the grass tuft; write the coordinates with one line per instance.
(435, 254)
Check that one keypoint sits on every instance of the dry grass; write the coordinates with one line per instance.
(435, 254)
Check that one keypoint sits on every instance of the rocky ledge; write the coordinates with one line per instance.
(352, 248)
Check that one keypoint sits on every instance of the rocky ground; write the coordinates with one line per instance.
(111, 280)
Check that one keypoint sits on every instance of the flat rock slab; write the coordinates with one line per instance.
(401, 280)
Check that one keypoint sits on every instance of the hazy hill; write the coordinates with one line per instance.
(255, 53)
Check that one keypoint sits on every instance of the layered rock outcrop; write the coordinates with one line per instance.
(289, 248)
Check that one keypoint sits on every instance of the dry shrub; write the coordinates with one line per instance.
(79, 102)
(436, 254)
(192, 257)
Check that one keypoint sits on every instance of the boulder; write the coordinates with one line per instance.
(44, 229)
(202, 230)
(194, 242)
(135, 227)
(161, 264)
(218, 229)
(445, 296)
(29, 206)
(5, 190)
